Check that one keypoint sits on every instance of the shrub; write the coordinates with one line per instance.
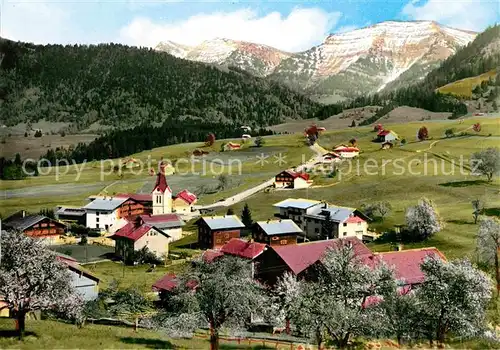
(145, 256)
(38, 133)
(449, 132)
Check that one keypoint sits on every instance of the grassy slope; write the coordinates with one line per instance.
(451, 193)
(56, 335)
(465, 86)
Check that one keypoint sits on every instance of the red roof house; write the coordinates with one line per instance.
(299, 258)
(186, 196)
(243, 249)
(139, 197)
(136, 235)
(406, 263)
(169, 282)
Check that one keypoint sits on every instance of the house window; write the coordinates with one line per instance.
(275, 238)
(345, 224)
(283, 242)
(316, 230)
(97, 213)
(96, 225)
(359, 224)
(106, 227)
(345, 234)
(96, 219)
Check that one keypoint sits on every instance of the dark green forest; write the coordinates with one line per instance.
(123, 86)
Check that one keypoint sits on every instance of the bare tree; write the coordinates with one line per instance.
(477, 207)
(32, 279)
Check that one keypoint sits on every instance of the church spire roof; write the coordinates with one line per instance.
(161, 182)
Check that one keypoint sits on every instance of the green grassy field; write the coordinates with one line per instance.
(57, 335)
(465, 86)
(434, 176)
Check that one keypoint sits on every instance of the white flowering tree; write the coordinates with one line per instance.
(488, 245)
(32, 279)
(453, 297)
(423, 219)
(218, 294)
(285, 297)
(347, 285)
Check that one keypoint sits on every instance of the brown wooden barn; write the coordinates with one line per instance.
(277, 232)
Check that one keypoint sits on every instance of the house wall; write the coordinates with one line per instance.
(131, 208)
(162, 202)
(314, 229)
(180, 206)
(88, 288)
(46, 229)
(282, 240)
(175, 233)
(222, 237)
(353, 229)
(390, 137)
(101, 219)
(349, 154)
(155, 241)
(269, 267)
(300, 183)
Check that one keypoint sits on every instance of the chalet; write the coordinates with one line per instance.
(71, 215)
(292, 179)
(346, 151)
(171, 224)
(347, 222)
(215, 231)
(387, 136)
(36, 226)
(243, 249)
(277, 232)
(231, 146)
(302, 260)
(136, 235)
(85, 283)
(296, 208)
(183, 202)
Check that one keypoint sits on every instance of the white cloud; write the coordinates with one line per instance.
(301, 29)
(36, 22)
(461, 14)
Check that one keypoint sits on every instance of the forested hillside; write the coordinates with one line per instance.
(124, 86)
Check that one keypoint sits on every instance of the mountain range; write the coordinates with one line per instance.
(384, 56)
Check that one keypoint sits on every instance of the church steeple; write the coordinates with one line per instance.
(161, 194)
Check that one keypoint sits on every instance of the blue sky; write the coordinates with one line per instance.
(288, 25)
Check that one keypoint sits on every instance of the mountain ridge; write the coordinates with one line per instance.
(381, 53)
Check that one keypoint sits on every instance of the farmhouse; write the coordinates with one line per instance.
(215, 231)
(136, 235)
(330, 157)
(387, 136)
(295, 209)
(184, 201)
(347, 222)
(301, 259)
(277, 232)
(71, 215)
(346, 151)
(292, 179)
(83, 281)
(36, 226)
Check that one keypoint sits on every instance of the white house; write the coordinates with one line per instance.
(137, 235)
(84, 282)
(348, 222)
(102, 213)
(387, 136)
